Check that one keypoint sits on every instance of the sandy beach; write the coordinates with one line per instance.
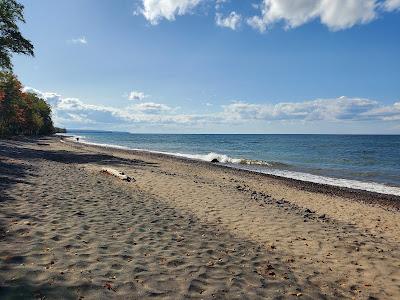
(184, 229)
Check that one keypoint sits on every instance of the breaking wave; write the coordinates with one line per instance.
(272, 168)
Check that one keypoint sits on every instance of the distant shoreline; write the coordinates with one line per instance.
(205, 133)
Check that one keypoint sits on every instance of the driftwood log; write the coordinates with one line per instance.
(117, 174)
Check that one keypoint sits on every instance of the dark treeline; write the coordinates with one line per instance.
(22, 113)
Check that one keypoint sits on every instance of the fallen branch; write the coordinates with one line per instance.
(117, 174)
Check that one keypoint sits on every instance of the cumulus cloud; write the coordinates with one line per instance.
(151, 107)
(337, 109)
(219, 4)
(73, 112)
(385, 113)
(155, 10)
(231, 21)
(82, 40)
(391, 5)
(336, 14)
(136, 95)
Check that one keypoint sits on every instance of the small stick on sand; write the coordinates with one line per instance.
(117, 174)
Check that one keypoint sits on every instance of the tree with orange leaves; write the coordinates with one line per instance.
(22, 113)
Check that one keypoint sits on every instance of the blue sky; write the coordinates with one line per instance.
(262, 66)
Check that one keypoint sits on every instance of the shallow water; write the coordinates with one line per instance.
(370, 162)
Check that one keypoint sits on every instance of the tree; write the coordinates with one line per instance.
(10, 106)
(22, 113)
(11, 39)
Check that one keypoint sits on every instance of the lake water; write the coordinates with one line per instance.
(370, 162)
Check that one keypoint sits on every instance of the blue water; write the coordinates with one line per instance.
(362, 158)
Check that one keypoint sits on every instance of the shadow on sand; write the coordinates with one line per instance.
(16, 169)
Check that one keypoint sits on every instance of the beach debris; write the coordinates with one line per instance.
(80, 214)
(241, 188)
(118, 174)
(266, 271)
(109, 287)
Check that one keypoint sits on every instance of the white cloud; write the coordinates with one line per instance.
(231, 21)
(72, 112)
(391, 5)
(337, 109)
(335, 14)
(151, 107)
(385, 113)
(219, 4)
(75, 113)
(82, 40)
(136, 95)
(155, 10)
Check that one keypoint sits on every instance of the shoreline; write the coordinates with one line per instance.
(370, 197)
(273, 168)
(181, 229)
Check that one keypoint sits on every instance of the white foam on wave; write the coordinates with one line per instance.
(210, 157)
(83, 141)
(216, 157)
(339, 182)
(239, 163)
(222, 158)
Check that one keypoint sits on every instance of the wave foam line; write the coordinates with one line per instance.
(338, 182)
(239, 163)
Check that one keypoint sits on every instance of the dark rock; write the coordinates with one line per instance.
(215, 160)
(130, 179)
(270, 267)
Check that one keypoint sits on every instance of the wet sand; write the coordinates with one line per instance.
(184, 229)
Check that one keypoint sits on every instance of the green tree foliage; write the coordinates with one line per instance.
(22, 113)
(11, 39)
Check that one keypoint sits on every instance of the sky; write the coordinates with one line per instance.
(216, 66)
